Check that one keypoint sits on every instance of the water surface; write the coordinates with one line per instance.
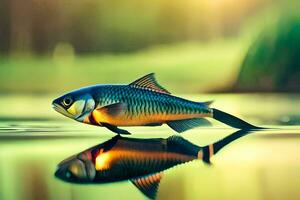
(261, 165)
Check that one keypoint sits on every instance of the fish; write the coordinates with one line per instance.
(140, 161)
(143, 102)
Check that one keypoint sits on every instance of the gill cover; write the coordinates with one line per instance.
(77, 107)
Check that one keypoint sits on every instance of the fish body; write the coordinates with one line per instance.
(139, 160)
(142, 161)
(134, 158)
(139, 107)
(126, 158)
(142, 103)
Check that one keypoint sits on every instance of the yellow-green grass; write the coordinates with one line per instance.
(185, 67)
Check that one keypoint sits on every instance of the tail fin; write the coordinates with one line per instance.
(232, 120)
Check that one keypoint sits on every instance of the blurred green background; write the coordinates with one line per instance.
(193, 46)
(48, 47)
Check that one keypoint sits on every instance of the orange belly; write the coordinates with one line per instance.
(140, 120)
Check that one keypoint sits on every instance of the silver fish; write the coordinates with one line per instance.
(141, 103)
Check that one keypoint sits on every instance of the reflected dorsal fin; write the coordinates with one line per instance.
(148, 185)
(149, 82)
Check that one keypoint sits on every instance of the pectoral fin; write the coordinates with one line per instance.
(148, 185)
(106, 113)
(114, 109)
(186, 124)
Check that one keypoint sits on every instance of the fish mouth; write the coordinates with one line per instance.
(55, 106)
(61, 110)
(58, 173)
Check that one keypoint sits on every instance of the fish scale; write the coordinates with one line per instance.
(142, 160)
(141, 101)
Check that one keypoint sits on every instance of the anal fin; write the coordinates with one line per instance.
(186, 124)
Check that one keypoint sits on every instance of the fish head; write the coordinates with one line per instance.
(76, 169)
(75, 105)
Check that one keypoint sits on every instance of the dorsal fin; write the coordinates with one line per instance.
(207, 103)
(148, 185)
(149, 82)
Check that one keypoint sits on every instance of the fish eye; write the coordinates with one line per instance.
(68, 174)
(67, 101)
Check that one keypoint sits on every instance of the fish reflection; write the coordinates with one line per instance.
(142, 161)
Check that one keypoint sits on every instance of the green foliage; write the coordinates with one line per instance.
(272, 62)
(116, 26)
(189, 67)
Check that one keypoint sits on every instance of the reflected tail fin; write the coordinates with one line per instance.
(209, 150)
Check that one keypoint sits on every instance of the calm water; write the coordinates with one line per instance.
(261, 165)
